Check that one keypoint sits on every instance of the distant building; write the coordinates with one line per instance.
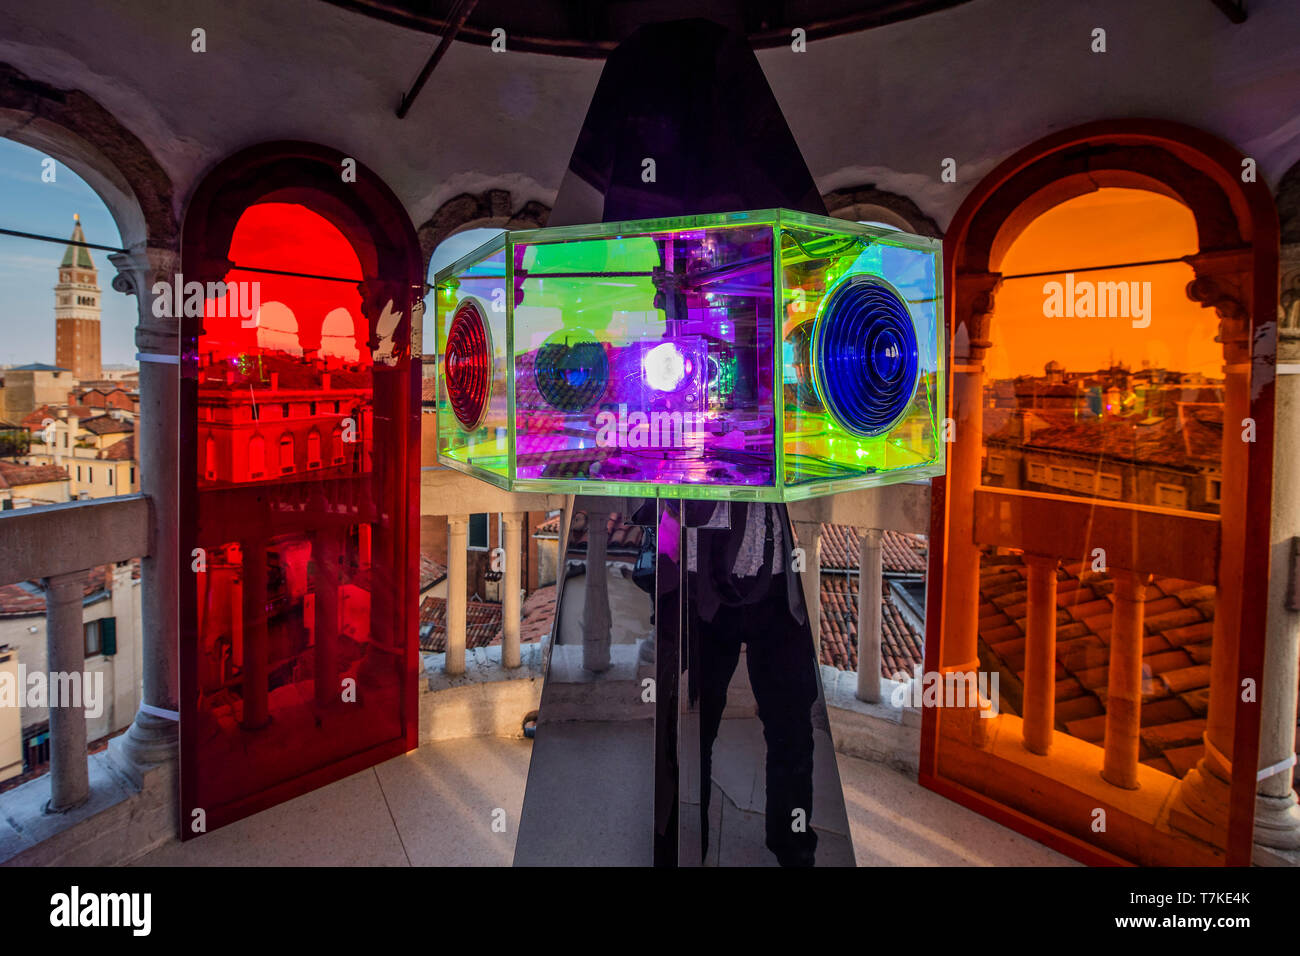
(76, 311)
(24, 388)
(111, 627)
(97, 452)
(23, 485)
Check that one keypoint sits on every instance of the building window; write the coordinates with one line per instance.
(478, 532)
(997, 465)
(313, 449)
(1109, 486)
(1038, 472)
(110, 477)
(1171, 496)
(256, 457)
(336, 444)
(1213, 489)
(101, 637)
(286, 452)
(133, 477)
(78, 472)
(1081, 480)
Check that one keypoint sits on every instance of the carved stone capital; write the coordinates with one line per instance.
(138, 271)
(1288, 313)
(972, 315)
(1223, 283)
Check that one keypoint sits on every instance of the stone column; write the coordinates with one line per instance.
(327, 556)
(514, 527)
(973, 305)
(65, 642)
(1124, 686)
(596, 619)
(810, 539)
(1277, 817)
(457, 533)
(257, 663)
(1040, 654)
(870, 583)
(1200, 806)
(152, 737)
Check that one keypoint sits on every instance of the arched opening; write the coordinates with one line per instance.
(1101, 512)
(306, 287)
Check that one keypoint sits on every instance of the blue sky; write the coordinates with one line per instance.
(29, 268)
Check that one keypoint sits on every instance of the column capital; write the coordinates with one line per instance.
(139, 270)
(1288, 326)
(1223, 282)
(458, 524)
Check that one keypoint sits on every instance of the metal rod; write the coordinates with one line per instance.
(459, 14)
(62, 242)
(1117, 265)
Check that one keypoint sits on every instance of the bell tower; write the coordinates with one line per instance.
(76, 310)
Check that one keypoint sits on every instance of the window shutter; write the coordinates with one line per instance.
(108, 636)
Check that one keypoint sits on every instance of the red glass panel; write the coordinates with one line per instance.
(298, 665)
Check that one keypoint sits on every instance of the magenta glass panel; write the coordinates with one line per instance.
(646, 358)
(297, 658)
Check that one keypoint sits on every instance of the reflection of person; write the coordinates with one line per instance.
(744, 590)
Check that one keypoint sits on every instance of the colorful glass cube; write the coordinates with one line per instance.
(768, 355)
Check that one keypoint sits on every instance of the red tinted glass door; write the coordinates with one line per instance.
(298, 418)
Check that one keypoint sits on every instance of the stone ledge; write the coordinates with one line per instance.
(120, 821)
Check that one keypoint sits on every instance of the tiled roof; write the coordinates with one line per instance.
(106, 425)
(28, 597)
(13, 476)
(123, 450)
(1157, 442)
(902, 646)
(482, 624)
(35, 419)
(1178, 626)
(431, 572)
(624, 538)
(899, 553)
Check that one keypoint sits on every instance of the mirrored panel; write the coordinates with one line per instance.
(590, 796)
(758, 781)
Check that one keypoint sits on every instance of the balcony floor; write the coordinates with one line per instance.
(434, 807)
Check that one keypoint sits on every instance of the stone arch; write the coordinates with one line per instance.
(1288, 205)
(76, 130)
(1288, 210)
(1236, 270)
(488, 209)
(867, 203)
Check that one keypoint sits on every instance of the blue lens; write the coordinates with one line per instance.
(867, 364)
(571, 377)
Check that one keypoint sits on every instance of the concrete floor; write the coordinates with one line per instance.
(437, 807)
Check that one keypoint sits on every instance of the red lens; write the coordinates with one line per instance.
(467, 366)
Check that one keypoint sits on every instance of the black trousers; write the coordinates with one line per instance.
(782, 673)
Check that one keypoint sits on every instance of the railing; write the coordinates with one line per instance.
(60, 544)
(903, 507)
(1135, 542)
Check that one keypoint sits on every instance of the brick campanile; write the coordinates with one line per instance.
(76, 311)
